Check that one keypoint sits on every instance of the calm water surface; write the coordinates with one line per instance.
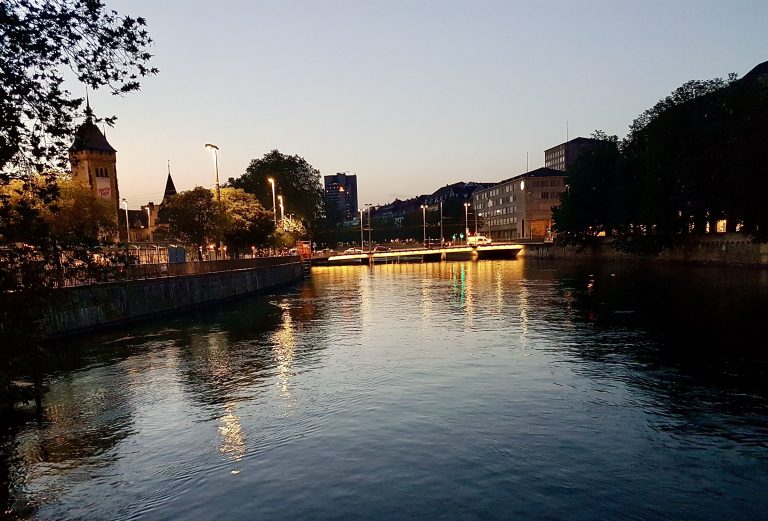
(490, 390)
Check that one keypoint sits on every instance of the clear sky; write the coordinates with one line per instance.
(409, 95)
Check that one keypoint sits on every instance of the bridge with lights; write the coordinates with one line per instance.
(458, 253)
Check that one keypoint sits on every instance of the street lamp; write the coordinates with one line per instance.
(362, 245)
(149, 223)
(441, 224)
(127, 228)
(216, 162)
(368, 206)
(274, 205)
(424, 220)
(466, 223)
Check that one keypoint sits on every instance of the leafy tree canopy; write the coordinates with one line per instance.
(195, 217)
(40, 39)
(247, 222)
(295, 179)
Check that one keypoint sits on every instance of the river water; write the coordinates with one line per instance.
(487, 390)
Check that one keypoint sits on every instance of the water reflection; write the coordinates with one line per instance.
(481, 385)
(231, 433)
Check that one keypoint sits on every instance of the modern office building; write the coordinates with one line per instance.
(562, 156)
(519, 207)
(341, 197)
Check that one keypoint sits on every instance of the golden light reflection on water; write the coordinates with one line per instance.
(232, 438)
(284, 341)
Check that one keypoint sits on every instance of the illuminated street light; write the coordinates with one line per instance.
(368, 206)
(216, 163)
(127, 227)
(149, 223)
(274, 204)
(362, 245)
(466, 223)
(442, 240)
(424, 220)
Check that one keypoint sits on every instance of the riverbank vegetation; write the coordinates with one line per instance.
(40, 217)
(691, 163)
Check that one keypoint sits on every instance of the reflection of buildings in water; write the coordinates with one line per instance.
(232, 438)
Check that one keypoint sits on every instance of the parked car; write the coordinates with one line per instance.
(478, 240)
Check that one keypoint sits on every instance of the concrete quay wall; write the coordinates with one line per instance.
(727, 249)
(76, 309)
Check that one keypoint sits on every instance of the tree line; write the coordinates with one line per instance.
(695, 158)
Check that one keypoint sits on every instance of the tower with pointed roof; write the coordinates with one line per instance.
(94, 161)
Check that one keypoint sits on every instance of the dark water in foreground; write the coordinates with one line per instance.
(494, 390)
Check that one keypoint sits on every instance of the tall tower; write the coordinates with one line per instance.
(94, 161)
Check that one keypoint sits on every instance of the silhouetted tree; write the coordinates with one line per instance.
(40, 39)
(195, 217)
(297, 181)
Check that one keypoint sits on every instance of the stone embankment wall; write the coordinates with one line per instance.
(732, 249)
(88, 307)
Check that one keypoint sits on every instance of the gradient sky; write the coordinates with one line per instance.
(410, 96)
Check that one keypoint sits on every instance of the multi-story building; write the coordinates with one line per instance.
(341, 197)
(562, 156)
(519, 207)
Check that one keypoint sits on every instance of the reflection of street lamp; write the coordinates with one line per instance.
(216, 162)
(282, 209)
(466, 222)
(127, 229)
(274, 204)
(424, 220)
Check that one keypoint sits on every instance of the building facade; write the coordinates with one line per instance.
(519, 207)
(562, 156)
(341, 197)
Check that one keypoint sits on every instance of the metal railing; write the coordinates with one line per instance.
(82, 276)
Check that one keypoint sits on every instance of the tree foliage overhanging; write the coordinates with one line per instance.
(42, 225)
(694, 158)
(41, 39)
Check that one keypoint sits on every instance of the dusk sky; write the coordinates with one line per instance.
(410, 96)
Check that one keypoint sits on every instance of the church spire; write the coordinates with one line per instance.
(88, 111)
(170, 188)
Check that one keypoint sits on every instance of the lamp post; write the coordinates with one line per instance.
(127, 226)
(149, 223)
(362, 246)
(441, 225)
(424, 221)
(274, 204)
(466, 223)
(368, 206)
(216, 163)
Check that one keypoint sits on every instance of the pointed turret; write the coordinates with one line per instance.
(170, 188)
(88, 136)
